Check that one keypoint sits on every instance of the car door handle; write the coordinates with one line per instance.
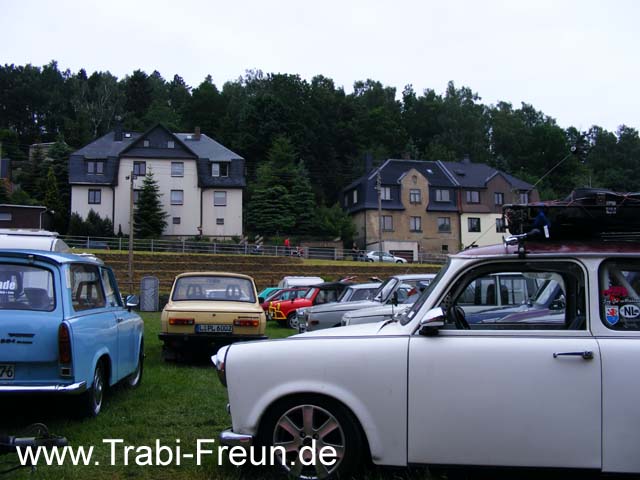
(587, 355)
(120, 320)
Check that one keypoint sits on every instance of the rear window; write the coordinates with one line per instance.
(25, 287)
(214, 288)
(620, 294)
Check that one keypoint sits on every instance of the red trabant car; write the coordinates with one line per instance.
(284, 311)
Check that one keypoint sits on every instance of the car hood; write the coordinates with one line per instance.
(364, 330)
(343, 306)
(381, 310)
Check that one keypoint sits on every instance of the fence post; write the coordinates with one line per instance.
(119, 243)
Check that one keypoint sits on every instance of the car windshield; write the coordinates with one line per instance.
(310, 293)
(26, 288)
(407, 316)
(214, 288)
(383, 293)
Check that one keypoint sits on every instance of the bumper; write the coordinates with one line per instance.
(228, 437)
(195, 339)
(73, 388)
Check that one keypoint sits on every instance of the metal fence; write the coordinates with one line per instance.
(228, 248)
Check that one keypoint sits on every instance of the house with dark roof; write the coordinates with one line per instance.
(418, 204)
(201, 182)
(431, 206)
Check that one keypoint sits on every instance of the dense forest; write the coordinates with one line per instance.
(323, 130)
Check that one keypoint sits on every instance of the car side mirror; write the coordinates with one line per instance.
(432, 322)
(260, 299)
(394, 299)
(132, 301)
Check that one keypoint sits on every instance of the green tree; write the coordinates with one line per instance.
(149, 217)
(334, 222)
(53, 202)
(4, 194)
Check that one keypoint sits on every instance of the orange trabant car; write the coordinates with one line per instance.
(209, 309)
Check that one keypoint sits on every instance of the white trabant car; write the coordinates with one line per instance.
(428, 388)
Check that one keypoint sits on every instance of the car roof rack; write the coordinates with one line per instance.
(586, 214)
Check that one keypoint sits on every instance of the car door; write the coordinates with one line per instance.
(526, 394)
(126, 322)
(618, 330)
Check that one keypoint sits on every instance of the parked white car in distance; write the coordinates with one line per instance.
(374, 256)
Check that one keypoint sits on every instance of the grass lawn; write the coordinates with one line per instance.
(175, 401)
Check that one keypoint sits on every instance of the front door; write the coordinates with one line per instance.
(521, 393)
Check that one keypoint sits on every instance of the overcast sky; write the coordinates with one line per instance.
(576, 60)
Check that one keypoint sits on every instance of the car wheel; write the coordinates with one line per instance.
(314, 423)
(292, 320)
(399, 261)
(135, 379)
(92, 399)
(370, 260)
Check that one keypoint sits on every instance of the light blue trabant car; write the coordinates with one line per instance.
(64, 328)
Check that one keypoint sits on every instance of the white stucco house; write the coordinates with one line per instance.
(201, 182)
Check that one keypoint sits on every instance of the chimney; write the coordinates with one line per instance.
(368, 162)
(466, 159)
(196, 134)
(117, 134)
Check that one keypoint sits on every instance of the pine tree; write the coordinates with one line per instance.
(149, 217)
(53, 202)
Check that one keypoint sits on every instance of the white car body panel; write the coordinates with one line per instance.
(475, 406)
(621, 397)
(332, 368)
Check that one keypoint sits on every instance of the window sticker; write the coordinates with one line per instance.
(630, 310)
(8, 286)
(612, 315)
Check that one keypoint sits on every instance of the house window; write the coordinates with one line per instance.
(524, 197)
(474, 224)
(500, 225)
(171, 144)
(443, 196)
(444, 224)
(385, 193)
(95, 167)
(415, 224)
(220, 169)
(177, 197)
(473, 196)
(146, 143)
(498, 198)
(387, 223)
(176, 220)
(219, 199)
(219, 221)
(445, 248)
(140, 169)
(5, 217)
(355, 196)
(415, 195)
(136, 196)
(95, 196)
(177, 169)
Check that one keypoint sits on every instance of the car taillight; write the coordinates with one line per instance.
(246, 322)
(64, 344)
(181, 321)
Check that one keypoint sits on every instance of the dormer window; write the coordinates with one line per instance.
(355, 196)
(95, 167)
(146, 143)
(220, 169)
(385, 193)
(171, 144)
